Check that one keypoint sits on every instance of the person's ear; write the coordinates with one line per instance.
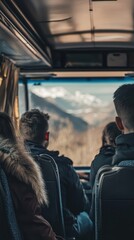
(46, 140)
(119, 123)
(47, 136)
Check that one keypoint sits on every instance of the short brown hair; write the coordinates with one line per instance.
(124, 104)
(34, 125)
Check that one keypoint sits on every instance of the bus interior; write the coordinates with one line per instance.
(68, 58)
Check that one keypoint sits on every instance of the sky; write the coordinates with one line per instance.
(102, 90)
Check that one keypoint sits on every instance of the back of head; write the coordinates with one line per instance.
(110, 133)
(7, 130)
(34, 125)
(124, 104)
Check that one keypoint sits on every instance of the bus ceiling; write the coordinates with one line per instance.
(59, 37)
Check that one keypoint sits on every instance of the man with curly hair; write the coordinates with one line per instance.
(34, 128)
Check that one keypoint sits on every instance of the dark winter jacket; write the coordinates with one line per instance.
(27, 190)
(124, 150)
(8, 224)
(73, 197)
(103, 158)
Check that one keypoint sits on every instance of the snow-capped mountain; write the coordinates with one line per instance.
(73, 102)
(60, 119)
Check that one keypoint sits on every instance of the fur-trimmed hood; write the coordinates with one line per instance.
(16, 162)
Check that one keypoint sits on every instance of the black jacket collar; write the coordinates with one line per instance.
(37, 149)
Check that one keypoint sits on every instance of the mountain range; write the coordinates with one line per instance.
(60, 117)
(76, 121)
(74, 102)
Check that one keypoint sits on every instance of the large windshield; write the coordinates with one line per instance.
(78, 111)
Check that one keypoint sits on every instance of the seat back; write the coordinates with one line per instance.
(114, 203)
(9, 229)
(54, 212)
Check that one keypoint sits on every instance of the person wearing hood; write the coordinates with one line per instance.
(25, 183)
(107, 150)
(34, 129)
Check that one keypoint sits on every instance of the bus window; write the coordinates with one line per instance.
(79, 109)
